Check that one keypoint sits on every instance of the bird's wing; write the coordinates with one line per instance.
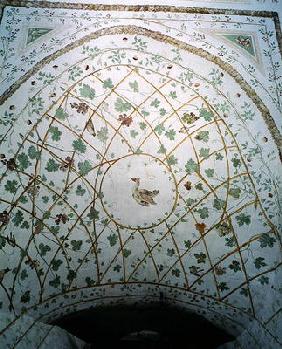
(145, 192)
(146, 195)
(148, 192)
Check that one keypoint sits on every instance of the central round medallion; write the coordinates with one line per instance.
(139, 192)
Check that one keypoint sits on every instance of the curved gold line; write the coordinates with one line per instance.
(130, 29)
(153, 225)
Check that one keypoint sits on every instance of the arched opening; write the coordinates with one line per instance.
(143, 326)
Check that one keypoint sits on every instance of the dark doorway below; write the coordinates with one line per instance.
(161, 326)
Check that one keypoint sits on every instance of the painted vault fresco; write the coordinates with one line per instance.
(140, 153)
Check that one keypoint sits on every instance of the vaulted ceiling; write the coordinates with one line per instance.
(139, 156)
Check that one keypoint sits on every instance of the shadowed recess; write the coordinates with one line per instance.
(157, 326)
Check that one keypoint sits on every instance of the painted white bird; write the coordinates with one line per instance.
(142, 196)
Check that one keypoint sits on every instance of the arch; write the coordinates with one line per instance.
(162, 38)
(157, 36)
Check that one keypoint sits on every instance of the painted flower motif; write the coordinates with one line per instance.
(125, 120)
(224, 228)
(32, 263)
(80, 107)
(61, 217)
(188, 185)
(189, 118)
(243, 41)
(219, 270)
(11, 163)
(67, 163)
(4, 217)
(200, 227)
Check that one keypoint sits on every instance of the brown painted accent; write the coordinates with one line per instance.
(134, 8)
